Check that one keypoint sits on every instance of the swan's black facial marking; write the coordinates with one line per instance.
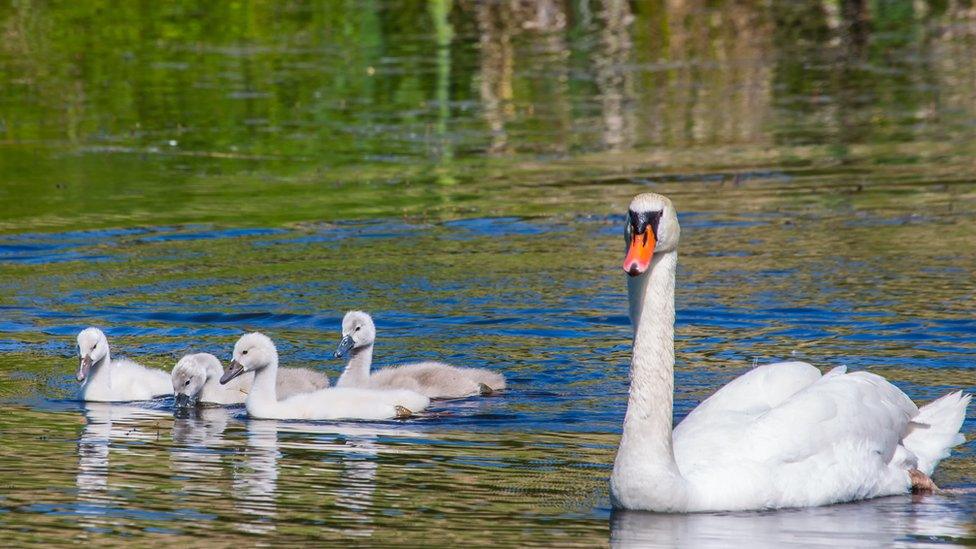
(639, 221)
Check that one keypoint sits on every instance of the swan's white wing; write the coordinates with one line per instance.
(753, 393)
(834, 440)
(859, 407)
(716, 426)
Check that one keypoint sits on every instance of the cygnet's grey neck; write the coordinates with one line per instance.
(356, 373)
(100, 371)
(264, 386)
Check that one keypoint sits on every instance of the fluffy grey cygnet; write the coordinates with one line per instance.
(432, 379)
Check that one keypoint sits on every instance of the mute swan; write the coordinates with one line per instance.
(107, 380)
(778, 436)
(433, 379)
(256, 353)
(196, 378)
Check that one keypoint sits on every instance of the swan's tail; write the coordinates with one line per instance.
(935, 430)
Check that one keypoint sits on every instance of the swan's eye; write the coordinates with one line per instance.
(358, 327)
(93, 346)
(187, 382)
(243, 352)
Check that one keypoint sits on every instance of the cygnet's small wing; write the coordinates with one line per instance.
(295, 381)
(343, 403)
(437, 380)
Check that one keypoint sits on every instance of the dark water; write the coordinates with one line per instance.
(180, 174)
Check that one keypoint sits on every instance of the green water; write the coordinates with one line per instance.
(179, 173)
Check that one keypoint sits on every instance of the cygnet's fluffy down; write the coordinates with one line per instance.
(256, 353)
(120, 380)
(196, 379)
(432, 379)
(295, 381)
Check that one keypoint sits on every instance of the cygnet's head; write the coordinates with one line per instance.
(92, 347)
(190, 375)
(358, 331)
(252, 352)
(652, 227)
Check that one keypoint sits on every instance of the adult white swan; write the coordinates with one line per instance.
(778, 436)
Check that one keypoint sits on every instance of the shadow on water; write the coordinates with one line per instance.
(180, 173)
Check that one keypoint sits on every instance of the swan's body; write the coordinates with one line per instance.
(196, 378)
(256, 353)
(432, 379)
(119, 380)
(782, 435)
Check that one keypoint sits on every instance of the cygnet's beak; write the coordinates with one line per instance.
(184, 401)
(86, 364)
(235, 369)
(345, 344)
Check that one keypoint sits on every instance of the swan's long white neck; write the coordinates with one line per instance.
(645, 458)
(356, 373)
(100, 373)
(263, 392)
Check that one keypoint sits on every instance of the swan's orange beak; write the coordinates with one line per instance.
(639, 252)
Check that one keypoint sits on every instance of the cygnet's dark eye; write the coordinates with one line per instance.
(243, 352)
(187, 382)
(358, 327)
(95, 345)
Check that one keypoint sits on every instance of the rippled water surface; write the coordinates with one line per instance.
(179, 174)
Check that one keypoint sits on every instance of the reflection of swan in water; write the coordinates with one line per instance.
(354, 496)
(255, 484)
(880, 522)
(107, 423)
(201, 426)
(256, 481)
(196, 433)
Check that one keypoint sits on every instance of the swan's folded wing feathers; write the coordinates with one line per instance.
(752, 393)
(860, 410)
(848, 421)
(836, 440)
